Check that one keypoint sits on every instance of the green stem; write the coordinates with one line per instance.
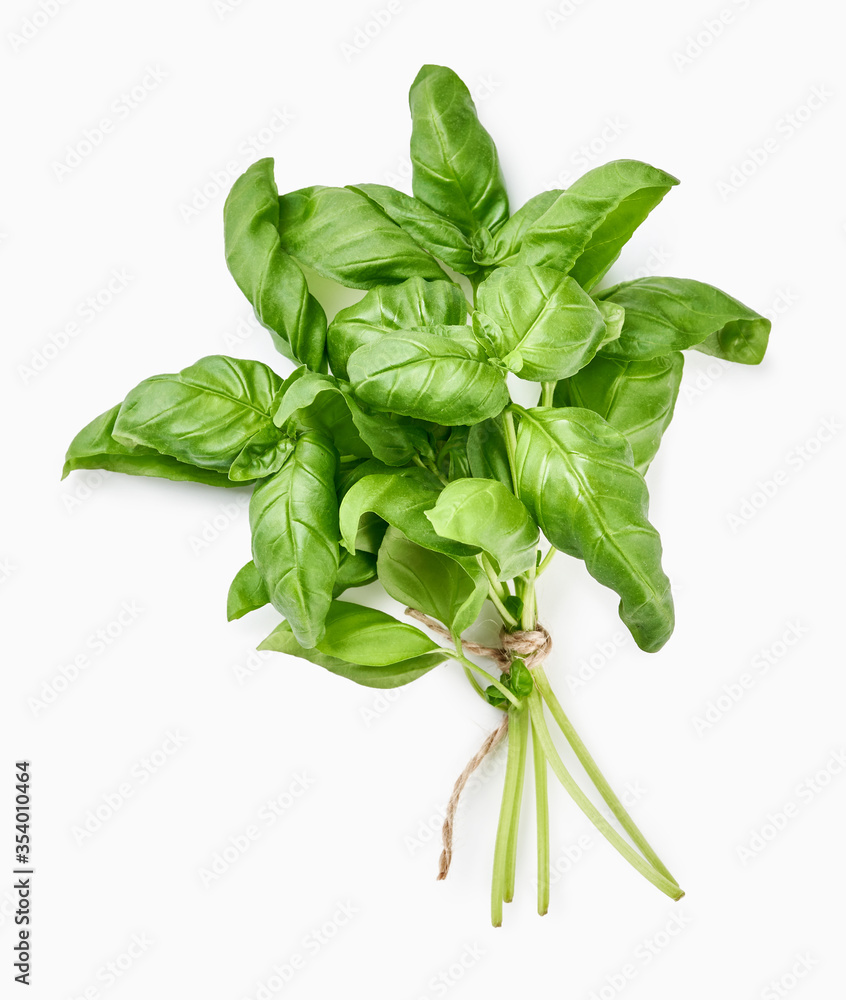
(547, 390)
(476, 686)
(495, 589)
(667, 886)
(542, 821)
(430, 467)
(498, 882)
(520, 734)
(504, 613)
(511, 446)
(529, 617)
(497, 585)
(469, 664)
(595, 775)
(547, 559)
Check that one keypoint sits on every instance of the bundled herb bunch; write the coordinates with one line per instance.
(394, 452)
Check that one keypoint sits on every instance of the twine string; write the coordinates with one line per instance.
(491, 742)
(533, 647)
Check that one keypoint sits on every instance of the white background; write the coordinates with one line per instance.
(623, 80)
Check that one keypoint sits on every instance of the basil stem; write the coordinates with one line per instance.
(637, 861)
(542, 820)
(595, 775)
(510, 791)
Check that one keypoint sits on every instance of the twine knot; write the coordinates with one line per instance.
(533, 647)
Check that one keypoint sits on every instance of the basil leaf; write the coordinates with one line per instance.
(402, 502)
(95, 447)
(635, 397)
(413, 303)
(323, 402)
(575, 476)
(393, 442)
(356, 569)
(672, 314)
(294, 523)
(545, 326)
(204, 415)
(584, 230)
(450, 590)
(459, 334)
(455, 167)
(442, 238)
(392, 675)
(311, 401)
(341, 234)
(265, 453)
(247, 592)
(349, 476)
(371, 527)
(272, 281)
(452, 456)
(614, 316)
(518, 679)
(371, 531)
(371, 638)
(485, 514)
(487, 452)
(429, 377)
(508, 239)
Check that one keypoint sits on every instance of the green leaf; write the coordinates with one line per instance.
(672, 314)
(450, 590)
(520, 678)
(371, 528)
(635, 397)
(401, 501)
(584, 230)
(371, 638)
(460, 333)
(429, 377)
(411, 304)
(576, 477)
(455, 167)
(272, 280)
(356, 569)
(508, 239)
(440, 237)
(485, 514)
(294, 522)
(517, 679)
(247, 592)
(487, 452)
(452, 456)
(323, 403)
(343, 235)
(95, 447)
(392, 675)
(543, 318)
(312, 401)
(614, 317)
(265, 453)
(204, 415)
(514, 606)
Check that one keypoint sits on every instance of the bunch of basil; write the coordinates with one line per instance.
(394, 451)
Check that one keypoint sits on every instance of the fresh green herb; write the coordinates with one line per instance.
(394, 451)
